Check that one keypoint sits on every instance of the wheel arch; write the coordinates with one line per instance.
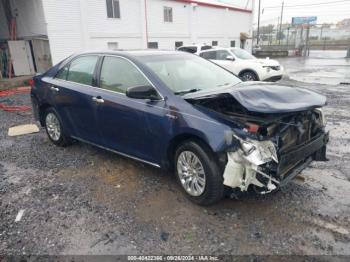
(249, 70)
(176, 141)
(42, 109)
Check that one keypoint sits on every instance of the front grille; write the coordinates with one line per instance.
(275, 68)
(296, 132)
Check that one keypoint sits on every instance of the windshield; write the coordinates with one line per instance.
(242, 54)
(184, 73)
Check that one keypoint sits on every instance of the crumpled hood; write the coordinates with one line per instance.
(267, 98)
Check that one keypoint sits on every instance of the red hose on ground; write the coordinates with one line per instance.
(18, 90)
(14, 108)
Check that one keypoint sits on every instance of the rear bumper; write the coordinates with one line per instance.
(293, 161)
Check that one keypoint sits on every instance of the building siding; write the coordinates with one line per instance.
(30, 18)
(63, 27)
(77, 25)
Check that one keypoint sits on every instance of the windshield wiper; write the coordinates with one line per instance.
(182, 92)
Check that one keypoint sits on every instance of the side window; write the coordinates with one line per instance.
(118, 74)
(178, 44)
(209, 55)
(62, 74)
(81, 70)
(221, 54)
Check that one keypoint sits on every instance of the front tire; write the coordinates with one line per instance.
(198, 173)
(248, 76)
(54, 129)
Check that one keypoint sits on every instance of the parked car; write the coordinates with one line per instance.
(256, 49)
(179, 111)
(245, 65)
(194, 49)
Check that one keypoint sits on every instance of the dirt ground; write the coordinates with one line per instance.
(83, 200)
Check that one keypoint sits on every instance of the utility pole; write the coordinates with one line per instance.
(278, 20)
(258, 31)
(280, 33)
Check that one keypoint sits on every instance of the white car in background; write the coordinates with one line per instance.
(244, 65)
(194, 49)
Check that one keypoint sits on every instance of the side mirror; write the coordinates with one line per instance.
(142, 92)
(230, 57)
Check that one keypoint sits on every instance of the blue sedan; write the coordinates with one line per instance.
(179, 111)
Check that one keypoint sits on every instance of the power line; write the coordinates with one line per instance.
(323, 3)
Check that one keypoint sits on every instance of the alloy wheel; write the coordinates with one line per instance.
(248, 77)
(191, 173)
(53, 126)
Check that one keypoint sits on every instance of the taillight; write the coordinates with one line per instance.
(252, 128)
(31, 82)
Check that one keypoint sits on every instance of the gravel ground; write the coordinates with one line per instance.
(83, 200)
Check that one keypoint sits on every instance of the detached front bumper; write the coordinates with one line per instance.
(268, 169)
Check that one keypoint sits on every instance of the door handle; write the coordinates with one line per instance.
(98, 99)
(56, 89)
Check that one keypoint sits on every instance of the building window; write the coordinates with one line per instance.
(178, 44)
(168, 14)
(233, 43)
(112, 45)
(153, 45)
(113, 8)
(214, 43)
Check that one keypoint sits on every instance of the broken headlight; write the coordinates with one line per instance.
(258, 152)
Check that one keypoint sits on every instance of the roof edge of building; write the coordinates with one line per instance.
(217, 5)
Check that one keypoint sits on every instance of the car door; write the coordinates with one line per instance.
(221, 58)
(130, 126)
(75, 97)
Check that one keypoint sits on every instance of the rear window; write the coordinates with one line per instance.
(188, 49)
(206, 47)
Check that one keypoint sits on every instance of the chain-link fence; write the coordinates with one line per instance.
(301, 39)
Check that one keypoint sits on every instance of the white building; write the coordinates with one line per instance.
(70, 26)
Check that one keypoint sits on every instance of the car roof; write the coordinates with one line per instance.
(194, 45)
(216, 49)
(134, 53)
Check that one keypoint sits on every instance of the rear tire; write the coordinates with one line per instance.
(248, 76)
(199, 176)
(54, 128)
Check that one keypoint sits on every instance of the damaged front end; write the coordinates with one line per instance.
(274, 145)
(244, 166)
